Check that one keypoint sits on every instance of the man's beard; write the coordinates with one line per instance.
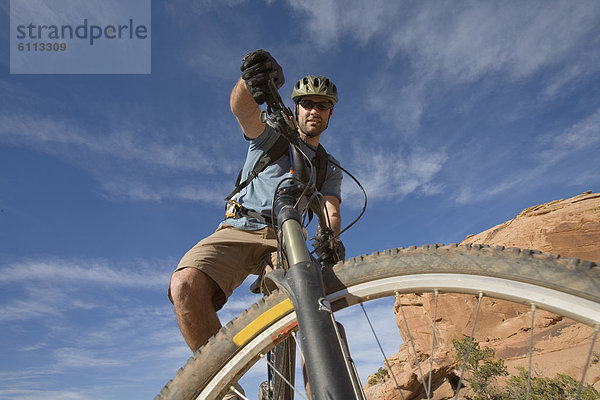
(311, 132)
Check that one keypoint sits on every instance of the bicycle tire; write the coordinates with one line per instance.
(566, 286)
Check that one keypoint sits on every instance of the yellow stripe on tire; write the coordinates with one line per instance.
(263, 320)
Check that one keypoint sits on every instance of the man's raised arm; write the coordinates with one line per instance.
(252, 90)
(245, 110)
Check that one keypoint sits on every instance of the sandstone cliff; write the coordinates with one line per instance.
(570, 228)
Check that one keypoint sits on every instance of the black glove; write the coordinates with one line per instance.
(257, 68)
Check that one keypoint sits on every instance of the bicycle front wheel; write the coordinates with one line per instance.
(564, 286)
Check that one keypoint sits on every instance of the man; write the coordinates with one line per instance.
(244, 243)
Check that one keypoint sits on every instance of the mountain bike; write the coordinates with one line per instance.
(304, 293)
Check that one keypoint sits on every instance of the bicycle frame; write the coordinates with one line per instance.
(322, 345)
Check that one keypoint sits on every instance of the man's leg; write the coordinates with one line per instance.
(192, 292)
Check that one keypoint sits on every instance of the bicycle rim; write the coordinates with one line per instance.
(568, 287)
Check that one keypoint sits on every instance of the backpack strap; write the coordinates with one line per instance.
(320, 161)
(279, 148)
(275, 152)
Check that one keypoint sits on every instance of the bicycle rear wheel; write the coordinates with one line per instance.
(567, 287)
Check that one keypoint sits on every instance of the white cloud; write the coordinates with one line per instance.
(69, 12)
(328, 21)
(52, 289)
(64, 272)
(59, 135)
(404, 103)
(221, 56)
(88, 315)
(463, 40)
(77, 358)
(131, 161)
(454, 43)
(39, 300)
(582, 135)
(27, 309)
(553, 149)
(321, 20)
(29, 394)
(387, 174)
(572, 74)
(141, 188)
(179, 9)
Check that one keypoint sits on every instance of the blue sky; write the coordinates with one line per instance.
(454, 115)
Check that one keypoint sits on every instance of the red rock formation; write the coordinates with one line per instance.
(568, 227)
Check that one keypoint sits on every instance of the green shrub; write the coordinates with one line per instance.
(378, 376)
(544, 388)
(482, 367)
(484, 370)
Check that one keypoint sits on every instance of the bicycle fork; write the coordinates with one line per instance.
(331, 373)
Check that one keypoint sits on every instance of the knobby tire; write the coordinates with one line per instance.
(566, 286)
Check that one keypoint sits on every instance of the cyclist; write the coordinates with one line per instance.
(244, 243)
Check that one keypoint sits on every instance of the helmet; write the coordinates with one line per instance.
(312, 85)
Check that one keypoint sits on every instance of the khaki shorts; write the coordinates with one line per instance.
(229, 255)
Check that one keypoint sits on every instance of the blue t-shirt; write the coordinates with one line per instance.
(258, 194)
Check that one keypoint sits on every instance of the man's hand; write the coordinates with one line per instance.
(257, 68)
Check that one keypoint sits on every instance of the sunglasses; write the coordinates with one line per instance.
(321, 106)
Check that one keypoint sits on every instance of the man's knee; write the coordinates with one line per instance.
(191, 283)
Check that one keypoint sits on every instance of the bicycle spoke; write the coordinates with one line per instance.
(382, 352)
(412, 344)
(587, 362)
(350, 367)
(530, 352)
(436, 293)
(283, 377)
(462, 372)
(234, 390)
(298, 346)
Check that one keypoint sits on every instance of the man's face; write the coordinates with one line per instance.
(311, 120)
